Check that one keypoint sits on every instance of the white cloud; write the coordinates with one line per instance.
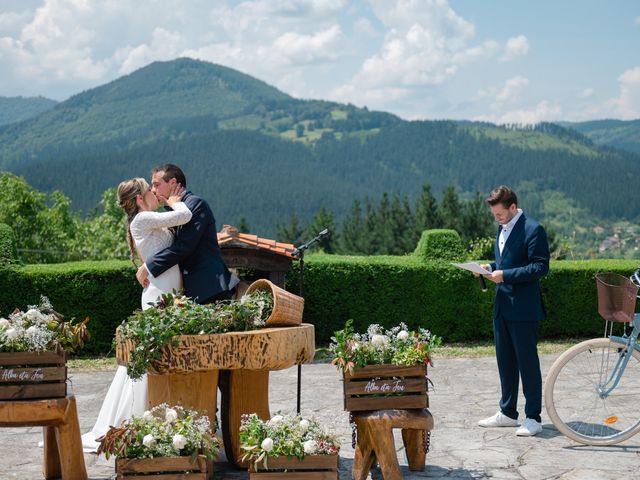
(512, 87)
(164, 45)
(299, 48)
(586, 93)
(515, 47)
(543, 111)
(627, 104)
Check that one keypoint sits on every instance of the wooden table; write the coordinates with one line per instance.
(238, 362)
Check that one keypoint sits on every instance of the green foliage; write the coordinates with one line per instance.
(8, 253)
(397, 346)
(174, 315)
(440, 297)
(107, 292)
(440, 244)
(623, 134)
(163, 431)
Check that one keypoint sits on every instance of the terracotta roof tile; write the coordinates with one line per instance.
(230, 236)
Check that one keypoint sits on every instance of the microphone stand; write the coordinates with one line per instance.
(299, 252)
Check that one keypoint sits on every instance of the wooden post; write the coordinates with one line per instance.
(198, 391)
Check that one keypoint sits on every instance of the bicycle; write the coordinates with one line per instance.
(592, 391)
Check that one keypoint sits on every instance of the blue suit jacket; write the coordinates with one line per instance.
(196, 250)
(524, 261)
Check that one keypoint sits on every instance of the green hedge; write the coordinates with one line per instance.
(105, 291)
(8, 252)
(440, 244)
(383, 290)
(438, 296)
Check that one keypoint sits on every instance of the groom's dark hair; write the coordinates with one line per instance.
(171, 171)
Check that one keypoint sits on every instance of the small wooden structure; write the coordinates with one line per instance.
(311, 467)
(375, 441)
(26, 375)
(164, 468)
(379, 387)
(62, 442)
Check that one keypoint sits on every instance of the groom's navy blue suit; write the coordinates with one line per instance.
(517, 313)
(196, 250)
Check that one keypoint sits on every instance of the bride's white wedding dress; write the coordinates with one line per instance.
(126, 397)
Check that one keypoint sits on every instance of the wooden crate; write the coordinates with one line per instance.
(311, 467)
(381, 387)
(164, 468)
(27, 375)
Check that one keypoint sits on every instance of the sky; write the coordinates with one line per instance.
(504, 61)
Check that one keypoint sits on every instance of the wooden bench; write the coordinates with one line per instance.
(63, 456)
(375, 441)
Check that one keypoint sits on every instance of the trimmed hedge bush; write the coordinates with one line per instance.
(105, 291)
(381, 289)
(8, 252)
(440, 244)
(438, 296)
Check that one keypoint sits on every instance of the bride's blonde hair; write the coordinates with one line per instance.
(128, 192)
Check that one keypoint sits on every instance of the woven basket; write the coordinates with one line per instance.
(287, 307)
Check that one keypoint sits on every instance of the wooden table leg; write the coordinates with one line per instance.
(198, 391)
(70, 444)
(364, 456)
(243, 391)
(51, 463)
(416, 455)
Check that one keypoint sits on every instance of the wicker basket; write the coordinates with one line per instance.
(616, 297)
(287, 307)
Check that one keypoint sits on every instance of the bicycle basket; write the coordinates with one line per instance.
(616, 297)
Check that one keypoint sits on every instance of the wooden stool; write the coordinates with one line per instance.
(375, 441)
(63, 454)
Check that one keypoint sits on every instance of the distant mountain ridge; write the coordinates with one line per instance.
(17, 109)
(258, 153)
(622, 134)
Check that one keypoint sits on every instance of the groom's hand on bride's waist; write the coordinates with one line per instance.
(143, 276)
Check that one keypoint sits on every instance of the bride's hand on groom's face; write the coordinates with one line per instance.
(175, 195)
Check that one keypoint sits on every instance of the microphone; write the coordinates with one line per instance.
(483, 284)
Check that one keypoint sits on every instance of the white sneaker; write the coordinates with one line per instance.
(498, 420)
(529, 428)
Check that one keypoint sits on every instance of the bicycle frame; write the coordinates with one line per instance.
(628, 343)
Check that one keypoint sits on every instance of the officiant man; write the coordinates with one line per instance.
(522, 259)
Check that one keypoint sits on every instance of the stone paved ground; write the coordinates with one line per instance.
(465, 390)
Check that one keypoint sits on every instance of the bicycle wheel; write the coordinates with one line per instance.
(573, 402)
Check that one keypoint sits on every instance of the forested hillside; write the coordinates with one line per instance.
(17, 109)
(623, 134)
(257, 153)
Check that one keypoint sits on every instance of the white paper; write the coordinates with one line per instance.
(472, 267)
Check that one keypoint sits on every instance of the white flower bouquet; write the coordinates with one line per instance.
(40, 329)
(397, 346)
(284, 436)
(163, 431)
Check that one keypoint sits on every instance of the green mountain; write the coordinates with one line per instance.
(258, 153)
(17, 109)
(622, 134)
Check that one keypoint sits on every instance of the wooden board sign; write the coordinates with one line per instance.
(381, 387)
(26, 375)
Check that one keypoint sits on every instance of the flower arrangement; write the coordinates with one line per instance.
(284, 435)
(41, 329)
(163, 431)
(174, 314)
(397, 346)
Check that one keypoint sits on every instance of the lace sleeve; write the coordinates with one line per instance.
(171, 218)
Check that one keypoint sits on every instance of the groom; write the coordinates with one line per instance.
(205, 276)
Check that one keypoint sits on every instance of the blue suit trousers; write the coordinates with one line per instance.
(517, 355)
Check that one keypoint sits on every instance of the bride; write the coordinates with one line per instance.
(148, 233)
